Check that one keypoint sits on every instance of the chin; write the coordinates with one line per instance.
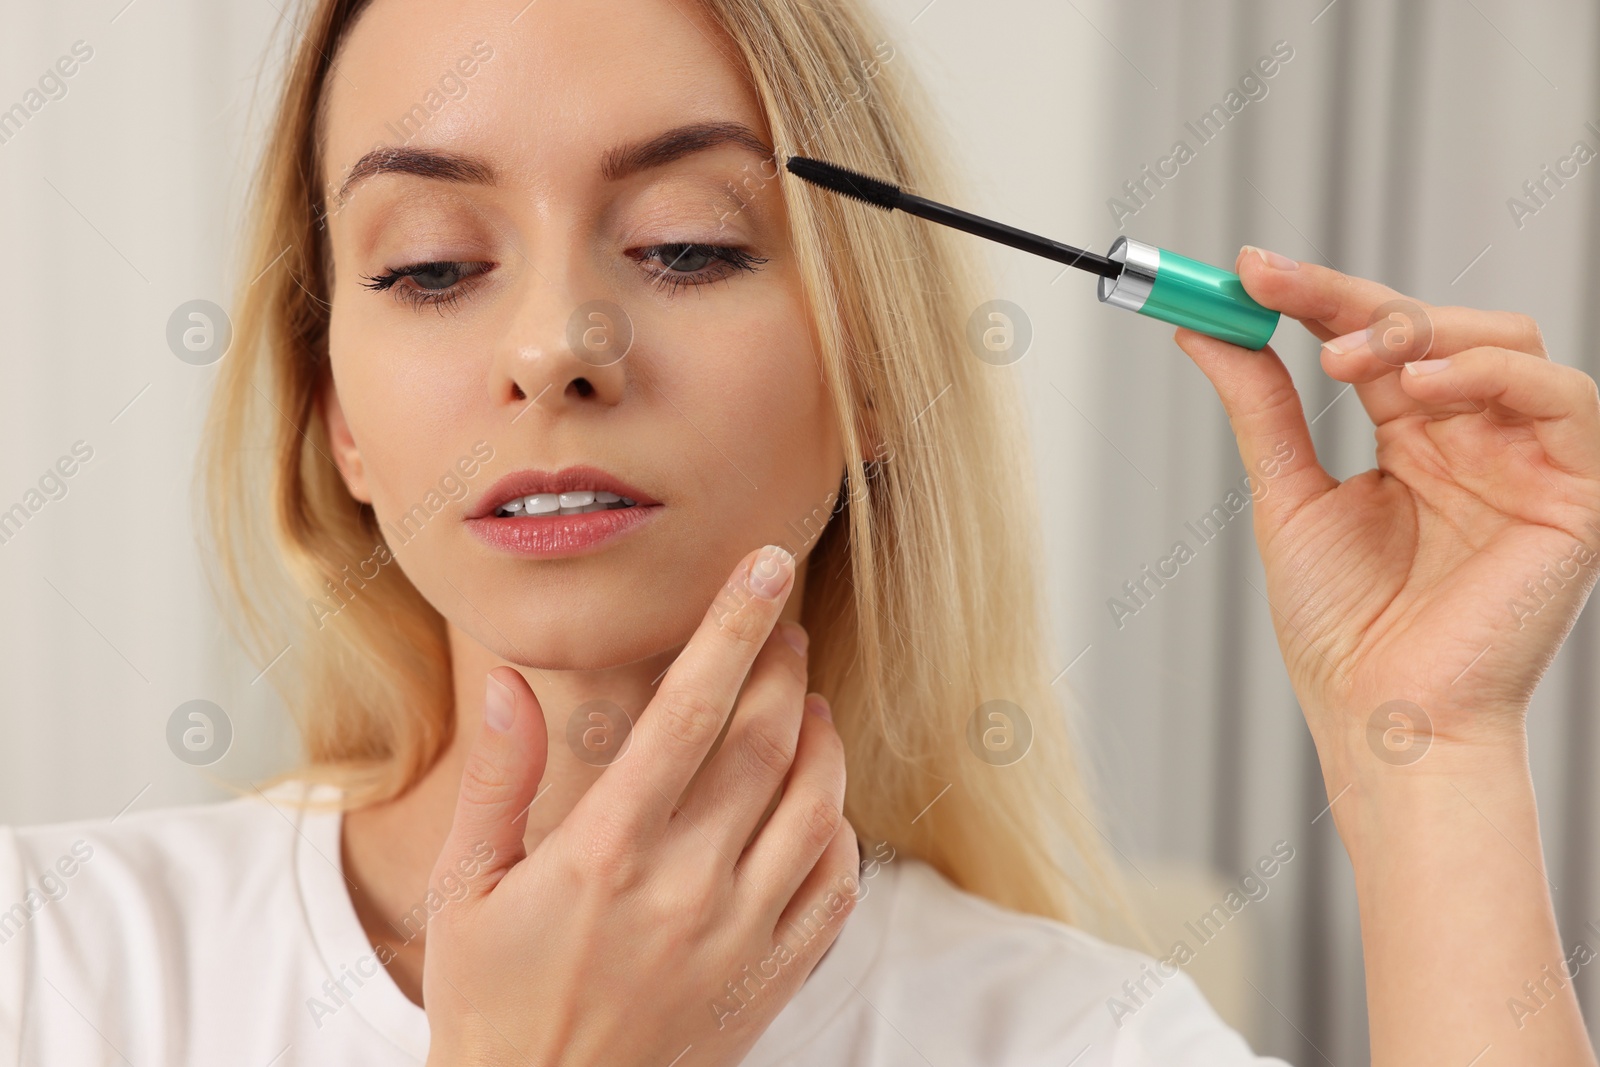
(583, 613)
(588, 639)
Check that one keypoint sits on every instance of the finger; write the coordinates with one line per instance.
(677, 727)
(1327, 302)
(738, 783)
(498, 783)
(1562, 402)
(1368, 358)
(817, 912)
(1268, 421)
(1403, 335)
(808, 814)
(1345, 309)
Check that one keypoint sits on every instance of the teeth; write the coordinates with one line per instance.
(580, 502)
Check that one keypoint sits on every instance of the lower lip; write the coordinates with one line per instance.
(551, 536)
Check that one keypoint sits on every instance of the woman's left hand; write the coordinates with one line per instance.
(1418, 604)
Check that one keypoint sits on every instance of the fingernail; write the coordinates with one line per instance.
(770, 572)
(499, 705)
(1428, 366)
(1273, 259)
(796, 635)
(817, 705)
(1348, 342)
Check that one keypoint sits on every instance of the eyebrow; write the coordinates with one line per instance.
(615, 164)
(424, 162)
(676, 143)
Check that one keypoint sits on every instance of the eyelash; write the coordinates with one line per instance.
(443, 299)
(735, 260)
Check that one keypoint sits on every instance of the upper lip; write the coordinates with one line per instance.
(566, 480)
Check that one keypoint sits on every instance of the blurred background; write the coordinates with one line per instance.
(1432, 145)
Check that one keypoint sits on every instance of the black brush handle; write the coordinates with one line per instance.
(1008, 235)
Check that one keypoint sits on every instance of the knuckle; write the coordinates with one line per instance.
(690, 720)
(1527, 328)
(608, 858)
(1336, 296)
(1588, 391)
(742, 623)
(482, 780)
(822, 819)
(768, 751)
(614, 873)
(1280, 396)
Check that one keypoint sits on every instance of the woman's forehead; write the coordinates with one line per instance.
(544, 88)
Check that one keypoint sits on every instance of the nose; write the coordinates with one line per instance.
(562, 351)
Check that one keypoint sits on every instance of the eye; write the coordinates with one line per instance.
(688, 263)
(439, 283)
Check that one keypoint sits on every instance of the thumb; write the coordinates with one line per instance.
(498, 783)
(1268, 420)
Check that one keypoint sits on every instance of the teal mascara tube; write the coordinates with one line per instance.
(1134, 275)
(1185, 292)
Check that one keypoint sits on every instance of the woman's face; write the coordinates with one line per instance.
(529, 221)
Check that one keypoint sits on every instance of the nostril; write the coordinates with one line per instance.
(517, 393)
(583, 386)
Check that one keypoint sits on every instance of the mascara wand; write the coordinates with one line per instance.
(1133, 275)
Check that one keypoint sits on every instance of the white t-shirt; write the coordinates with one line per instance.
(221, 935)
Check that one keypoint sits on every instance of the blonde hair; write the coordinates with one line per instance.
(921, 593)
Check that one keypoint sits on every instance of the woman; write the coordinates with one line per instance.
(545, 348)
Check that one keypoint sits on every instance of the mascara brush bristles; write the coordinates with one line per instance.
(847, 182)
(887, 195)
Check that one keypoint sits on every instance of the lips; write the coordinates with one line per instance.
(574, 511)
(575, 479)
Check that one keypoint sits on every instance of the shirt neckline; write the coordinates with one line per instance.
(340, 940)
(342, 944)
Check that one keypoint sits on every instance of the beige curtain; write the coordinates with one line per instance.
(123, 156)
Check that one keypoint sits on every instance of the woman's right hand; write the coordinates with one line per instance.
(642, 930)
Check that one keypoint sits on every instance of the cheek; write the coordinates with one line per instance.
(759, 378)
(405, 399)
(772, 397)
(770, 374)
